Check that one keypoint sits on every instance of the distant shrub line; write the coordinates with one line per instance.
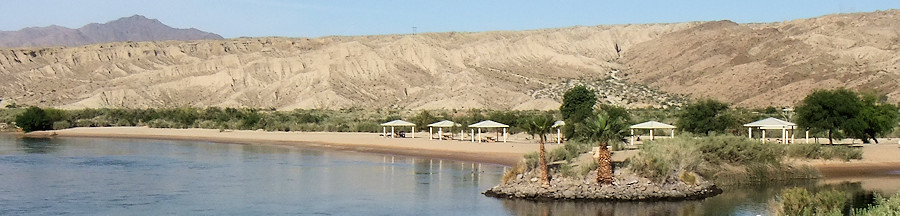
(344, 120)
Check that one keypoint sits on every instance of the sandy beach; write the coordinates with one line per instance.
(508, 153)
(878, 159)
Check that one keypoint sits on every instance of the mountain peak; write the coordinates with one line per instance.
(133, 28)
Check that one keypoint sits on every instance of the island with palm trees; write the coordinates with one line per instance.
(598, 163)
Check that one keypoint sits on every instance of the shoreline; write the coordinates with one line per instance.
(878, 159)
(499, 153)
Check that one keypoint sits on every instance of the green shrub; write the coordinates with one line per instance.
(799, 201)
(723, 159)
(817, 151)
(59, 125)
(882, 206)
(34, 119)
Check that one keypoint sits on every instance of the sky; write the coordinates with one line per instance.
(256, 18)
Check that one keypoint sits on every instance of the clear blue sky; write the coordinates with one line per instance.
(235, 18)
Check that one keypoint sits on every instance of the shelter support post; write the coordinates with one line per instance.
(504, 135)
(479, 135)
(672, 133)
(750, 132)
(651, 134)
(440, 133)
(383, 132)
(763, 135)
(413, 132)
(558, 136)
(430, 133)
(392, 131)
(807, 137)
(632, 136)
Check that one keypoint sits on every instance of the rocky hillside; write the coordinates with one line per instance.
(632, 65)
(774, 64)
(134, 28)
(425, 71)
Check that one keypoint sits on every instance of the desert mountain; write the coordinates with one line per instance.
(133, 28)
(774, 64)
(748, 64)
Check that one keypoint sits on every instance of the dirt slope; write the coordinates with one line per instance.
(774, 64)
(757, 65)
(498, 70)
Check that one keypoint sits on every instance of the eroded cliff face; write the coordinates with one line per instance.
(499, 70)
(754, 65)
(775, 64)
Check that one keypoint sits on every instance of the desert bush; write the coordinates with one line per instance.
(817, 151)
(723, 159)
(799, 201)
(59, 125)
(882, 206)
(511, 174)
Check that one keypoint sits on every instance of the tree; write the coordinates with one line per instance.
(540, 125)
(578, 105)
(34, 119)
(830, 111)
(604, 129)
(875, 118)
(705, 116)
(424, 118)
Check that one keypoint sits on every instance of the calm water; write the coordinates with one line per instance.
(150, 177)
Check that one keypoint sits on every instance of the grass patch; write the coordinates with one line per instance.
(818, 151)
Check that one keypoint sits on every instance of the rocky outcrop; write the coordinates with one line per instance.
(627, 187)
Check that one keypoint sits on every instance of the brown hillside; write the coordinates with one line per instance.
(500, 70)
(748, 64)
(774, 64)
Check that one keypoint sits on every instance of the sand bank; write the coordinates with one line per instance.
(508, 153)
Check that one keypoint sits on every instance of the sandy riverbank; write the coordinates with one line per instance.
(508, 153)
(878, 160)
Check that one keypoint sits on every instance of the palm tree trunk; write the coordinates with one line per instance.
(544, 178)
(604, 168)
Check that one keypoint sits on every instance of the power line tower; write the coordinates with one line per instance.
(414, 29)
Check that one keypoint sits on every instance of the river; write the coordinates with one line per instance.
(93, 176)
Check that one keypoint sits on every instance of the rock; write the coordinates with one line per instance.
(535, 179)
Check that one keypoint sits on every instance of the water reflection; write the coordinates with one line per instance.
(38, 145)
(124, 176)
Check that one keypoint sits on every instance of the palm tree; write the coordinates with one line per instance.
(540, 125)
(604, 129)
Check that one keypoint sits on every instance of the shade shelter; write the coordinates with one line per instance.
(772, 124)
(441, 125)
(398, 123)
(558, 125)
(488, 124)
(652, 125)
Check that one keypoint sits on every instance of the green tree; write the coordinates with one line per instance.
(875, 118)
(34, 119)
(705, 116)
(540, 125)
(605, 129)
(830, 111)
(578, 105)
(423, 118)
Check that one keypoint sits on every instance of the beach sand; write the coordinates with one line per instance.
(508, 153)
(878, 159)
